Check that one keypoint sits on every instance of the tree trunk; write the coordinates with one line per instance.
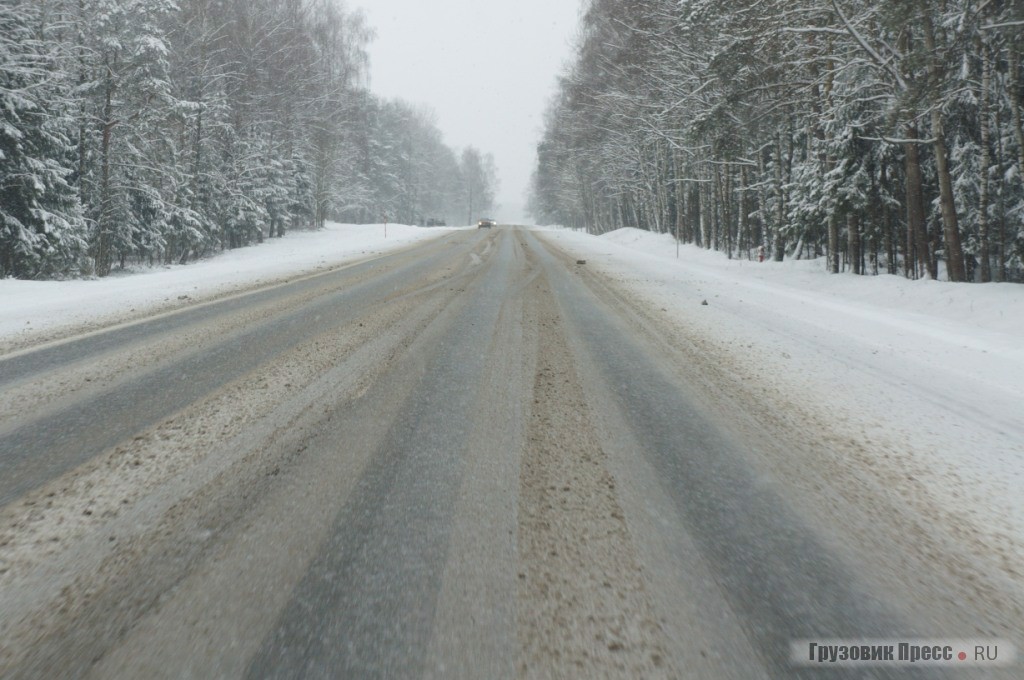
(853, 242)
(106, 216)
(83, 77)
(950, 228)
(743, 227)
(762, 203)
(821, 101)
(917, 236)
(727, 210)
(1000, 248)
(833, 243)
(887, 241)
(719, 204)
(983, 244)
(702, 206)
(1013, 57)
(662, 183)
(955, 267)
(680, 196)
(780, 210)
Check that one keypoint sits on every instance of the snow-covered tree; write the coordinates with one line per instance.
(164, 130)
(42, 229)
(885, 136)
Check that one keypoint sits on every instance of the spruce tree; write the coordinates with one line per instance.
(41, 225)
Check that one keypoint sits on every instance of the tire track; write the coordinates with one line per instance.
(86, 555)
(584, 609)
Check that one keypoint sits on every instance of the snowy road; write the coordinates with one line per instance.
(474, 458)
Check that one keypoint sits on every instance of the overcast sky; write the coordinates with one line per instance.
(486, 67)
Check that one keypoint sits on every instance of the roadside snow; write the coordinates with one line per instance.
(28, 307)
(930, 374)
(933, 370)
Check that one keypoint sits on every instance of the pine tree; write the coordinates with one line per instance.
(41, 225)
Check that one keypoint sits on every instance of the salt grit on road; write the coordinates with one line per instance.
(37, 310)
(920, 383)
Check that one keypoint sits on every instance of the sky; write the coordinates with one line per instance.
(486, 67)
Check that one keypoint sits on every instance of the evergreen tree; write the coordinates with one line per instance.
(145, 131)
(42, 229)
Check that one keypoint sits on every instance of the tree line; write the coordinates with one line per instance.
(160, 131)
(885, 136)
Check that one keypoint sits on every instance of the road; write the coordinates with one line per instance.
(474, 458)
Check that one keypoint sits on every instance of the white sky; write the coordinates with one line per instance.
(486, 67)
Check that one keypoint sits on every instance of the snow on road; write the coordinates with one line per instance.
(29, 310)
(927, 376)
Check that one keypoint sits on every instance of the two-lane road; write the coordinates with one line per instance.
(474, 458)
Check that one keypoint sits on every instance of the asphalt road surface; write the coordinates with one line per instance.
(475, 458)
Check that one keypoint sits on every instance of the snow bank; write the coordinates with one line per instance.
(28, 307)
(980, 306)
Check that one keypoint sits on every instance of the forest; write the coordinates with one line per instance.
(161, 131)
(882, 137)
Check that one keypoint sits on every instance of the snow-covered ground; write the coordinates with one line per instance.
(29, 308)
(930, 374)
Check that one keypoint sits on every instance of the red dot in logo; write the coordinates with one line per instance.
(962, 655)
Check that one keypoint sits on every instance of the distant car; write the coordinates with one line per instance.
(436, 222)
(485, 222)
